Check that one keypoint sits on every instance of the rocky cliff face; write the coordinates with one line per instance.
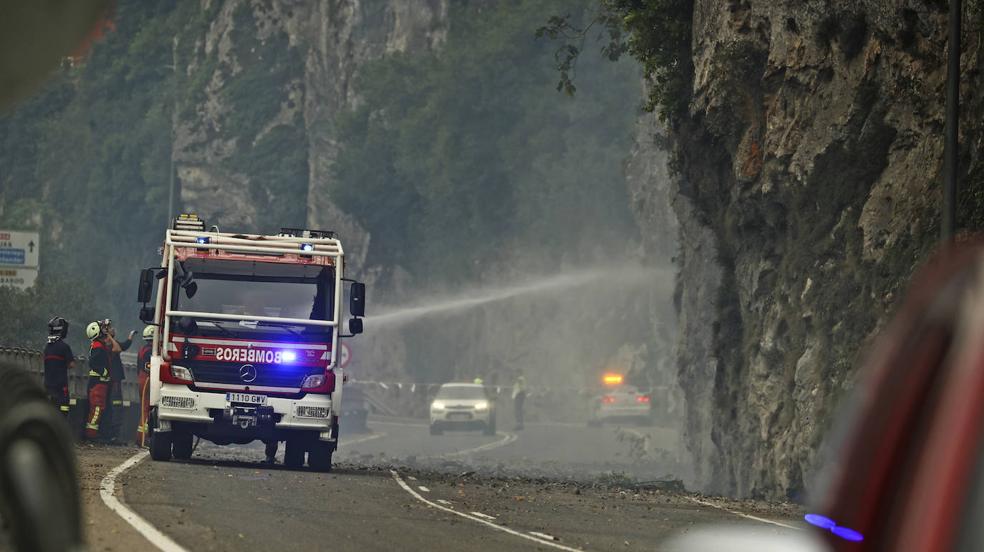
(809, 188)
(264, 83)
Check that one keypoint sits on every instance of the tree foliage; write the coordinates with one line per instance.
(657, 33)
(458, 158)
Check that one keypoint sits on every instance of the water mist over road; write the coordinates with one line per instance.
(629, 276)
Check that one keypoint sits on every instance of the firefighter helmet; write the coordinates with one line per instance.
(93, 330)
(148, 333)
(58, 327)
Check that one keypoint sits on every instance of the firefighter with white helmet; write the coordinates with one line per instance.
(58, 360)
(98, 387)
(143, 362)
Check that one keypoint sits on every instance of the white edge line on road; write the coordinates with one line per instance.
(542, 535)
(444, 502)
(107, 491)
(506, 439)
(361, 439)
(476, 519)
(740, 514)
(481, 515)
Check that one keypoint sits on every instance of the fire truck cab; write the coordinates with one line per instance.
(248, 339)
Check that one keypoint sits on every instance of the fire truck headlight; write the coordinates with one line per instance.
(288, 356)
(437, 405)
(314, 380)
(181, 373)
(482, 405)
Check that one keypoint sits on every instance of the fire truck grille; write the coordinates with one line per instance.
(267, 375)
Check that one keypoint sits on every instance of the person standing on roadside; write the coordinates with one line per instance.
(114, 412)
(98, 387)
(519, 398)
(143, 364)
(58, 360)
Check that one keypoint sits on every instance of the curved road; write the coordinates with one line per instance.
(451, 492)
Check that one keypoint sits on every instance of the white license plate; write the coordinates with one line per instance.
(246, 398)
(459, 416)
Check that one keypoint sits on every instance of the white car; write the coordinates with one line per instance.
(621, 403)
(462, 406)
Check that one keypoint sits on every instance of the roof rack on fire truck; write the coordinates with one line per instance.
(189, 231)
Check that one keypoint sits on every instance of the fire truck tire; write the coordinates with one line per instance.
(294, 454)
(182, 444)
(160, 446)
(319, 457)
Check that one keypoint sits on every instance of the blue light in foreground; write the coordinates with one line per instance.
(847, 534)
(822, 522)
(201, 240)
(288, 356)
(307, 247)
(828, 524)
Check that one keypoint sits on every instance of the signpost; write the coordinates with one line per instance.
(19, 253)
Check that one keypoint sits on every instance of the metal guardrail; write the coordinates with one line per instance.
(33, 361)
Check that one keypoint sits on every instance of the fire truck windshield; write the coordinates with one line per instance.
(251, 289)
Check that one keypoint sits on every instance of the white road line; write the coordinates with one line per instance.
(481, 515)
(476, 519)
(543, 535)
(444, 502)
(506, 439)
(424, 489)
(107, 491)
(361, 439)
(740, 514)
(401, 424)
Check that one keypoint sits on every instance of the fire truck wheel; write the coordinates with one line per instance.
(160, 446)
(182, 444)
(319, 457)
(294, 454)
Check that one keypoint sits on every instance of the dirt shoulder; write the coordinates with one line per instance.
(104, 530)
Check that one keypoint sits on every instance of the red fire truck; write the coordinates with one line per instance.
(248, 340)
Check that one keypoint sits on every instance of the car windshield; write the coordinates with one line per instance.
(461, 392)
(252, 289)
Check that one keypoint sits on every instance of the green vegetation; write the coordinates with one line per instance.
(457, 157)
(86, 161)
(657, 33)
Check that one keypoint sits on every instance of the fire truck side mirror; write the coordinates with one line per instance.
(145, 288)
(355, 326)
(147, 314)
(357, 300)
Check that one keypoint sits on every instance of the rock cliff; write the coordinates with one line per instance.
(808, 189)
(265, 81)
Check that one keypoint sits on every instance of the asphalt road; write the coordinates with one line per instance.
(399, 488)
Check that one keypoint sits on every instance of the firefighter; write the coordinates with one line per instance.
(98, 388)
(519, 398)
(114, 412)
(143, 362)
(58, 360)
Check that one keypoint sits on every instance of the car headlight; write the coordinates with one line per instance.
(482, 405)
(181, 373)
(437, 405)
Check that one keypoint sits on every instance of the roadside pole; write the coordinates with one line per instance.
(948, 221)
